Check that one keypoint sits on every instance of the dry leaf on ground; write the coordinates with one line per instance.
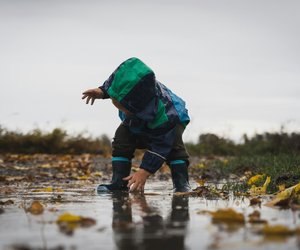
(227, 215)
(260, 190)
(68, 222)
(278, 230)
(255, 201)
(5, 203)
(255, 179)
(287, 196)
(48, 190)
(255, 218)
(35, 208)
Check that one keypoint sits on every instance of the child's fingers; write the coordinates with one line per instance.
(92, 102)
(140, 188)
(88, 99)
(127, 178)
(84, 96)
(130, 182)
(87, 92)
(133, 187)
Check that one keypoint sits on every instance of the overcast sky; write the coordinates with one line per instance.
(235, 62)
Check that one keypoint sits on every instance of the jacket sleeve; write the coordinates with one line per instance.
(106, 96)
(159, 148)
(105, 86)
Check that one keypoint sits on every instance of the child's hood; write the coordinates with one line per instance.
(133, 85)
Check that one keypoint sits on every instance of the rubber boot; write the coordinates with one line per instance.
(121, 168)
(180, 177)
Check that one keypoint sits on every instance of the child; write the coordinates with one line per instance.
(153, 118)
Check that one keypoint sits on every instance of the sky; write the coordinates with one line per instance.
(235, 62)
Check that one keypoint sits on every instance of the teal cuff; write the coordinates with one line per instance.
(120, 159)
(177, 162)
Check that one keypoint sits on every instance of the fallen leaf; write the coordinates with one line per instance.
(255, 218)
(68, 222)
(14, 178)
(83, 177)
(8, 202)
(279, 230)
(227, 215)
(48, 190)
(35, 208)
(255, 201)
(201, 182)
(97, 174)
(225, 162)
(281, 187)
(260, 190)
(200, 165)
(285, 197)
(52, 209)
(255, 179)
(19, 168)
(46, 165)
(6, 190)
(67, 217)
(87, 222)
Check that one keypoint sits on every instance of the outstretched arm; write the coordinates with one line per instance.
(92, 95)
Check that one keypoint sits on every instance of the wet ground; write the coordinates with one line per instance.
(156, 220)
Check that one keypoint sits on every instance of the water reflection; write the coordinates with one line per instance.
(154, 232)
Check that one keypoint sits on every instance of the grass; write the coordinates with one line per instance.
(283, 169)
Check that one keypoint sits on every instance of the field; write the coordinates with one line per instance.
(48, 202)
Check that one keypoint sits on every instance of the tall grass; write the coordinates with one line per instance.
(260, 144)
(55, 142)
(282, 168)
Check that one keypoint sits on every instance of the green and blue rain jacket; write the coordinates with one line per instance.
(155, 109)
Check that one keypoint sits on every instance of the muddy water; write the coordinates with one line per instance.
(157, 220)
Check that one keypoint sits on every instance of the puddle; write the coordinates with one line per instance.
(157, 220)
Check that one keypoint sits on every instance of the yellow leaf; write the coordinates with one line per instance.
(260, 190)
(98, 174)
(281, 187)
(46, 189)
(256, 178)
(225, 161)
(83, 177)
(201, 182)
(228, 215)
(200, 165)
(267, 182)
(285, 196)
(279, 230)
(46, 165)
(68, 222)
(297, 188)
(69, 218)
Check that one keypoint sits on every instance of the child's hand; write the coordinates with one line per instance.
(92, 94)
(136, 181)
